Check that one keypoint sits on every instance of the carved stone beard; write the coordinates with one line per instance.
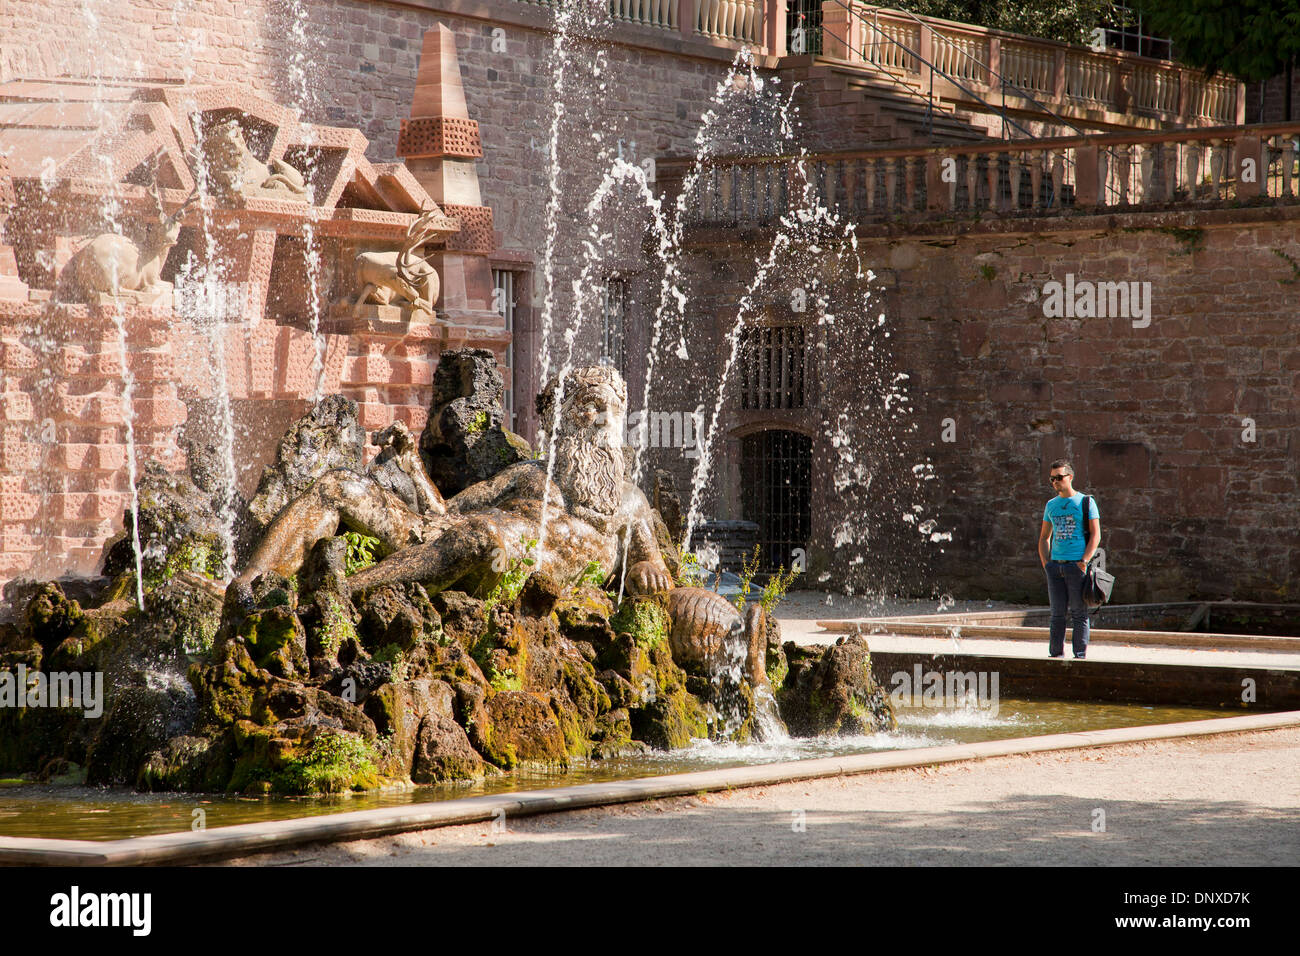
(589, 471)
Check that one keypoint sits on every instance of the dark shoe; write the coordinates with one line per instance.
(1079, 657)
(1056, 657)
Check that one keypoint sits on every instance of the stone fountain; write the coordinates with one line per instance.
(379, 633)
(380, 609)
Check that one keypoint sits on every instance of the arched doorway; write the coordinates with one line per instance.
(776, 492)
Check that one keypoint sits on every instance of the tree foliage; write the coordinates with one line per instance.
(1250, 39)
(1071, 21)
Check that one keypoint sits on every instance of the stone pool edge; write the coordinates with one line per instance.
(251, 838)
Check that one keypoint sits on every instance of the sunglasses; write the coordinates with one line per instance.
(1059, 477)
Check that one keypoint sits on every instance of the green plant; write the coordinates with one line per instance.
(198, 557)
(361, 552)
(748, 569)
(504, 679)
(775, 589)
(395, 657)
(335, 627)
(479, 424)
(1295, 267)
(988, 273)
(690, 574)
(1192, 240)
(593, 575)
(512, 579)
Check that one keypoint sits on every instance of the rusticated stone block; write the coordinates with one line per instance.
(476, 235)
(435, 136)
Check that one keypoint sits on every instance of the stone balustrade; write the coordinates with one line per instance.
(1124, 171)
(1023, 73)
(738, 20)
(650, 13)
(1077, 83)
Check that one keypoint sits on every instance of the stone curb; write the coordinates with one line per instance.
(1006, 632)
(225, 842)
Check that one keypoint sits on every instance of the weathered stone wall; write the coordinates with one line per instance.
(354, 63)
(1154, 427)
(1157, 420)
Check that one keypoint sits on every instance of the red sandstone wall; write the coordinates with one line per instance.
(1153, 418)
(63, 494)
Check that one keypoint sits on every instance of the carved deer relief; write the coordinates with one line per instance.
(111, 263)
(389, 276)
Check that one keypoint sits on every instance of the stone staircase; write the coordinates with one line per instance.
(847, 106)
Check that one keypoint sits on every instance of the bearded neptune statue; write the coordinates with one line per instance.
(591, 512)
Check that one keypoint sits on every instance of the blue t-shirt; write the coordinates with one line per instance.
(1069, 535)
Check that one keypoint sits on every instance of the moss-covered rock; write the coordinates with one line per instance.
(179, 532)
(398, 711)
(777, 666)
(226, 688)
(644, 619)
(331, 763)
(667, 716)
(142, 720)
(187, 763)
(50, 617)
(523, 730)
(399, 615)
(443, 752)
(831, 690)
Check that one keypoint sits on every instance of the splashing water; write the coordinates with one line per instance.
(299, 68)
(111, 209)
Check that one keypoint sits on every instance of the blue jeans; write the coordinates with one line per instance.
(1065, 590)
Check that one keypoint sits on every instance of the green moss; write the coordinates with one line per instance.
(334, 763)
(988, 273)
(479, 424)
(671, 717)
(502, 677)
(645, 621)
(512, 579)
(200, 557)
(266, 632)
(777, 670)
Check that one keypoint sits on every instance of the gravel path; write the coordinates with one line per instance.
(1230, 800)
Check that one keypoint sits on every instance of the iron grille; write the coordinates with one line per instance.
(776, 493)
(612, 325)
(773, 363)
(503, 300)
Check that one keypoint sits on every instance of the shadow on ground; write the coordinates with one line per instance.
(1025, 830)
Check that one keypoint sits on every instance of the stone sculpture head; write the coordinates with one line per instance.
(588, 446)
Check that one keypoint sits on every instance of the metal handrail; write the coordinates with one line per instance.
(933, 70)
(1006, 120)
(1003, 81)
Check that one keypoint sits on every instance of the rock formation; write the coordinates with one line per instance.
(351, 673)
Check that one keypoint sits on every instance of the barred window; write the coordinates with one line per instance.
(773, 363)
(614, 310)
(504, 301)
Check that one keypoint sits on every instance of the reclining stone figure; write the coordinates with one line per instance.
(465, 542)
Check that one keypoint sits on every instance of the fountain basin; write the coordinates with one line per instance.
(225, 842)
